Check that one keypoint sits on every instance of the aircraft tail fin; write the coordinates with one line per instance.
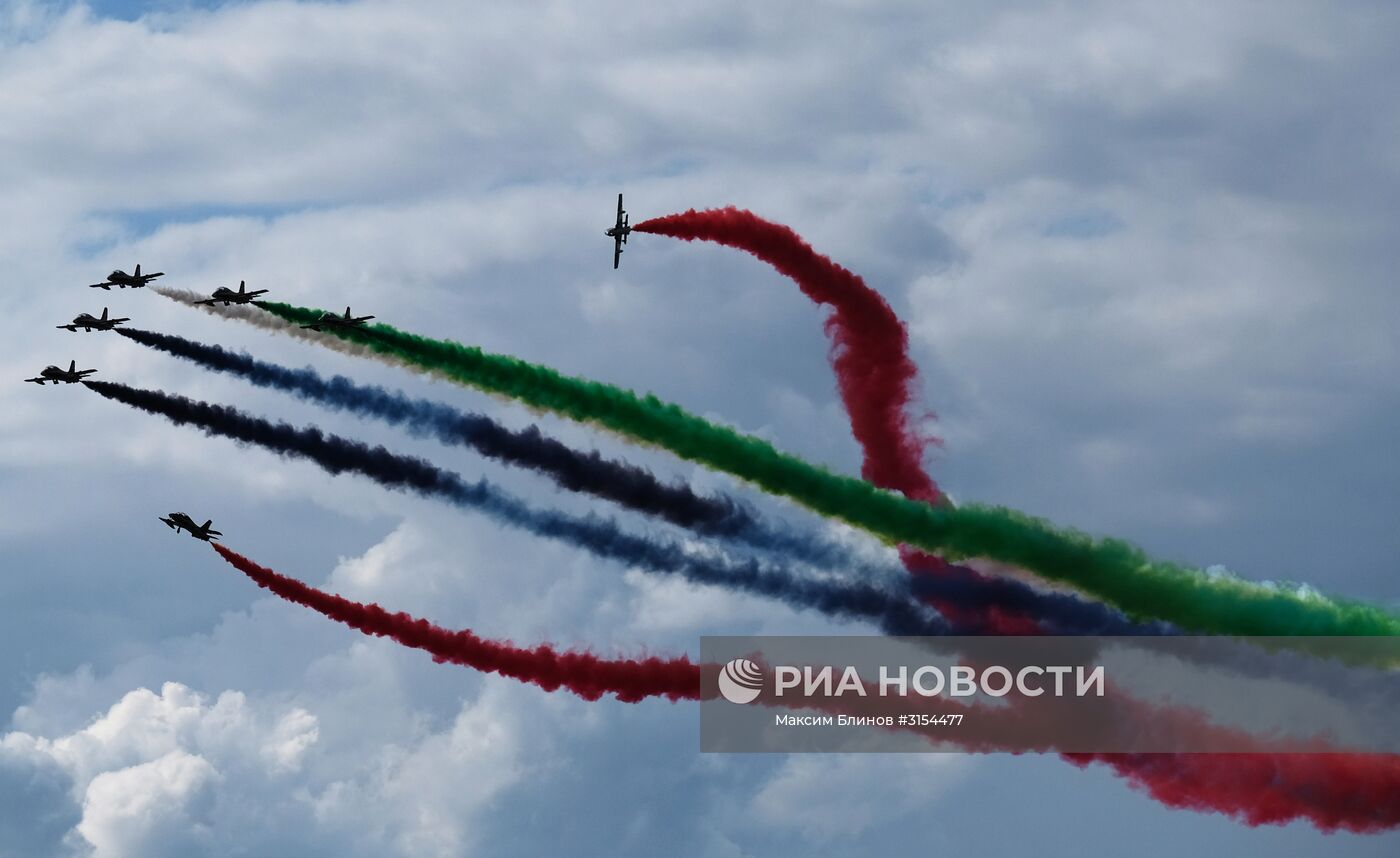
(138, 270)
(207, 524)
(242, 286)
(104, 314)
(347, 312)
(72, 366)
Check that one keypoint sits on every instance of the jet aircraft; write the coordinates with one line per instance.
(224, 295)
(618, 232)
(331, 320)
(122, 279)
(90, 323)
(179, 521)
(59, 375)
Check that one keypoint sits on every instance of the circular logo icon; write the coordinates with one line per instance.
(741, 681)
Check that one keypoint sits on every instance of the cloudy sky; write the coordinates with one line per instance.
(1146, 252)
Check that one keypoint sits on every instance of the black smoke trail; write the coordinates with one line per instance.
(895, 613)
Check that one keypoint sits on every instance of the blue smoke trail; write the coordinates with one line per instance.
(895, 613)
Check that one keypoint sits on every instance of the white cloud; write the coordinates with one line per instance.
(144, 809)
(140, 770)
(422, 798)
(144, 726)
(843, 796)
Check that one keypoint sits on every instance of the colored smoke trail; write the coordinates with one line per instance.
(894, 614)
(959, 597)
(875, 376)
(259, 319)
(1337, 791)
(589, 472)
(583, 673)
(1352, 792)
(1110, 569)
(869, 344)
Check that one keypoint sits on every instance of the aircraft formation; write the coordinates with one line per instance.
(179, 521)
(176, 521)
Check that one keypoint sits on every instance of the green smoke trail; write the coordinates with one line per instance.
(1110, 569)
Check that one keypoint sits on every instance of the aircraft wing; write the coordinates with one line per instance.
(107, 286)
(617, 252)
(73, 328)
(38, 381)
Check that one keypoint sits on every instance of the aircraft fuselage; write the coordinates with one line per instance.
(179, 521)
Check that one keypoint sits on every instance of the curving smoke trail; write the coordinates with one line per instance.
(1111, 569)
(583, 673)
(588, 472)
(869, 344)
(896, 614)
(875, 376)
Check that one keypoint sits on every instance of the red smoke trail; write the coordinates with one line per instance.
(1354, 792)
(869, 344)
(874, 373)
(583, 673)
